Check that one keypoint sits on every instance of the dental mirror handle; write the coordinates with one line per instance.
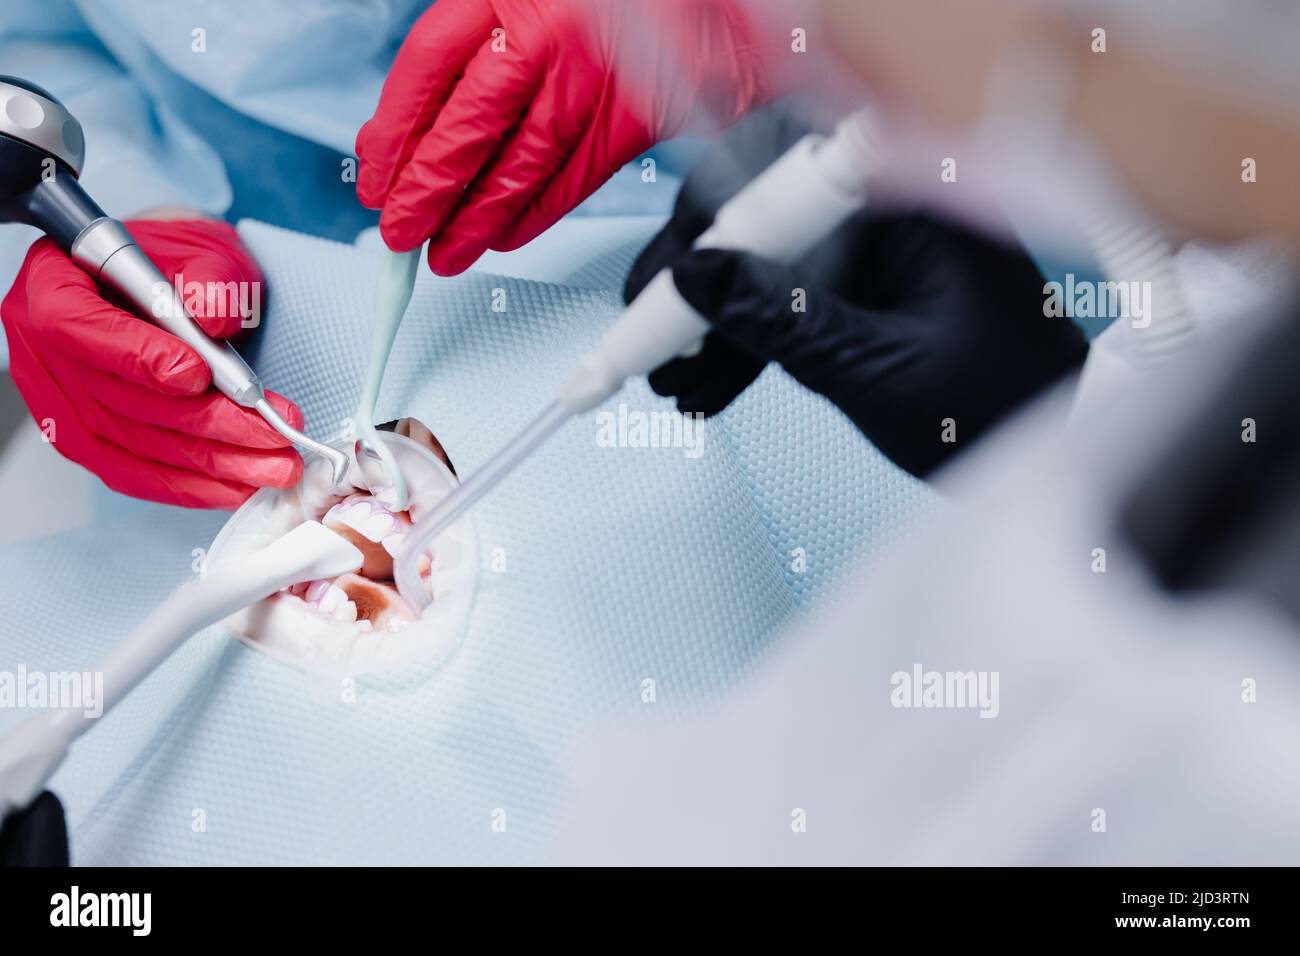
(33, 750)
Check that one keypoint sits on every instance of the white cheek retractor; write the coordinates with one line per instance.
(32, 751)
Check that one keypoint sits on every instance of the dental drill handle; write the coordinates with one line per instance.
(42, 151)
(65, 212)
(780, 215)
(33, 750)
(108, 253)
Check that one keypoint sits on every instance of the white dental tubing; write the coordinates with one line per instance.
(1130, 254)
(33, 750)
(781, 215)
(785, 211)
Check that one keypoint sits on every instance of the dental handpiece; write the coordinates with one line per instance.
(781, 214)
(42, 150)
(106, 250)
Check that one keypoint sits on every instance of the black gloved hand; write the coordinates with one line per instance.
(907, 321)
(37, 835)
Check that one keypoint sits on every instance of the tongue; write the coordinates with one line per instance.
(377, 603)
(378, 563)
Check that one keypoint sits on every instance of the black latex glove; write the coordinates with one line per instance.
(36, 835)
(907, 320)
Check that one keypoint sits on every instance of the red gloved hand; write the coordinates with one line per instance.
(499, 116)
(131, 402)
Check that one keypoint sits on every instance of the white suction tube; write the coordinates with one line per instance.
(1131, 255)
(781, 214)
(34, 749)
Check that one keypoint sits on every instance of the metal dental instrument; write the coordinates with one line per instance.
(41, 154)
(785, 211)
(393, 286)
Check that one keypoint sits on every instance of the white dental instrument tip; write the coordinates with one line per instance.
(338, 460)
(379, 469)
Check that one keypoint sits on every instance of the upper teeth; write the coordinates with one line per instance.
(371, 518)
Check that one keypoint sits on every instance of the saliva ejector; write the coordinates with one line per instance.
(781, 215)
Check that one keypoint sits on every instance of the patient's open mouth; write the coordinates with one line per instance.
(359, 622)
(369, 598)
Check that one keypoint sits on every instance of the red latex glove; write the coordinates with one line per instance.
(129, 401)
(485, 148)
